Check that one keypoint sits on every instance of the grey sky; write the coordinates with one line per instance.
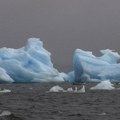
(63, 26)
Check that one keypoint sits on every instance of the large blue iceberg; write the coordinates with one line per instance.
(88, 67)
(31, 63)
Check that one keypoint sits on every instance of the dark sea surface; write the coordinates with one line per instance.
(32, 102)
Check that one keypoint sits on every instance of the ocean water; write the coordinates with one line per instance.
(33, 102)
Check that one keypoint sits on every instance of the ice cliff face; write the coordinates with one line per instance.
(88, 67)
(31, 63)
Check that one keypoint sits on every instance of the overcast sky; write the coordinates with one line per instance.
(63, 26)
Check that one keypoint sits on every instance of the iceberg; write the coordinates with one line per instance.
(88, 67)
(103, 85)
(31, 63)
(56, 88)
(5, 113)
(70, 89)
(5, 91)
(82, 90)
(4, 77)
(70, 77)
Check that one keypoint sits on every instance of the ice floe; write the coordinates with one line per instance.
(5, 113)
(5, 91)
(56, 89)
(82, 90)
(71, 90)
(103, 85)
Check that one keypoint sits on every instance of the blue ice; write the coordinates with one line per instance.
(88, 67)
(31, 63)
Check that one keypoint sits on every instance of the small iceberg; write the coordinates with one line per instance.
(60, 89)
(5, 91)
(103, 114)
(5, 113)
(82, 90)
(103, 85)
(56, 89)
(70, 90)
